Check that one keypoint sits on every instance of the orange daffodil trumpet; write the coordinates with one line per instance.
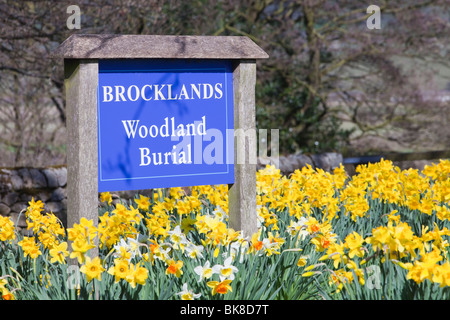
(174, 267)
(222, 287)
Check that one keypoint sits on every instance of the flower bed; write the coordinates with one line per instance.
(380, 234)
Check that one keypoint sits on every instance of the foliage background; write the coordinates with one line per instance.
(331, 84)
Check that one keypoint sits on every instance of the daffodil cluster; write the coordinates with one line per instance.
(326, 225)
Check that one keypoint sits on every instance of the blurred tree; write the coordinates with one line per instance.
(330, 83)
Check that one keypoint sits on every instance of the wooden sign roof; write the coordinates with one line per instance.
(110, 46)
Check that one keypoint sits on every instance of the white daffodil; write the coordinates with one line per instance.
(188, 294)
(163, 253)
(177, 237)
(234, 250)
(205, 271)
(193, 251)
(298, 226)
(127, 249)
(270, 247)
(133, 245)
(220, 213)
(123, 251)
(225, 271)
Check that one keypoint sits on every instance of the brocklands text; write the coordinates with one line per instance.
(157, 92)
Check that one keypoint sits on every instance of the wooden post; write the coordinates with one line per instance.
(81, 78)
(242, 194)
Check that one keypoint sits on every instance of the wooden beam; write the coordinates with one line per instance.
(81, 79)
(242, 194)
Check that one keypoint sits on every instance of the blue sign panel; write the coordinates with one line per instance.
(164, 123)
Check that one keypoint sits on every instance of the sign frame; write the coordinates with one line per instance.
(149, 108)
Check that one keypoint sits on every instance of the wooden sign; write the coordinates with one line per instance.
(159, 88)
(164, 123)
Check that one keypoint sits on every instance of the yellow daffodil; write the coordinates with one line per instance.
(106, 197)
(143, 202)
(59, 253)
(79, 248)
(93, 269)
(354, 242)
(30, 247)
(120, 269)
(7, 229)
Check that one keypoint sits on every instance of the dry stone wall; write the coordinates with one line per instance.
(288, 164)
(18, 186)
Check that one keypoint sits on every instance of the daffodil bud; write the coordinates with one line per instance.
(310, 267)
(325, 257)
(308, 274)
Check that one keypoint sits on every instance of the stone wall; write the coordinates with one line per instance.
(288, 164)
(19, 185)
